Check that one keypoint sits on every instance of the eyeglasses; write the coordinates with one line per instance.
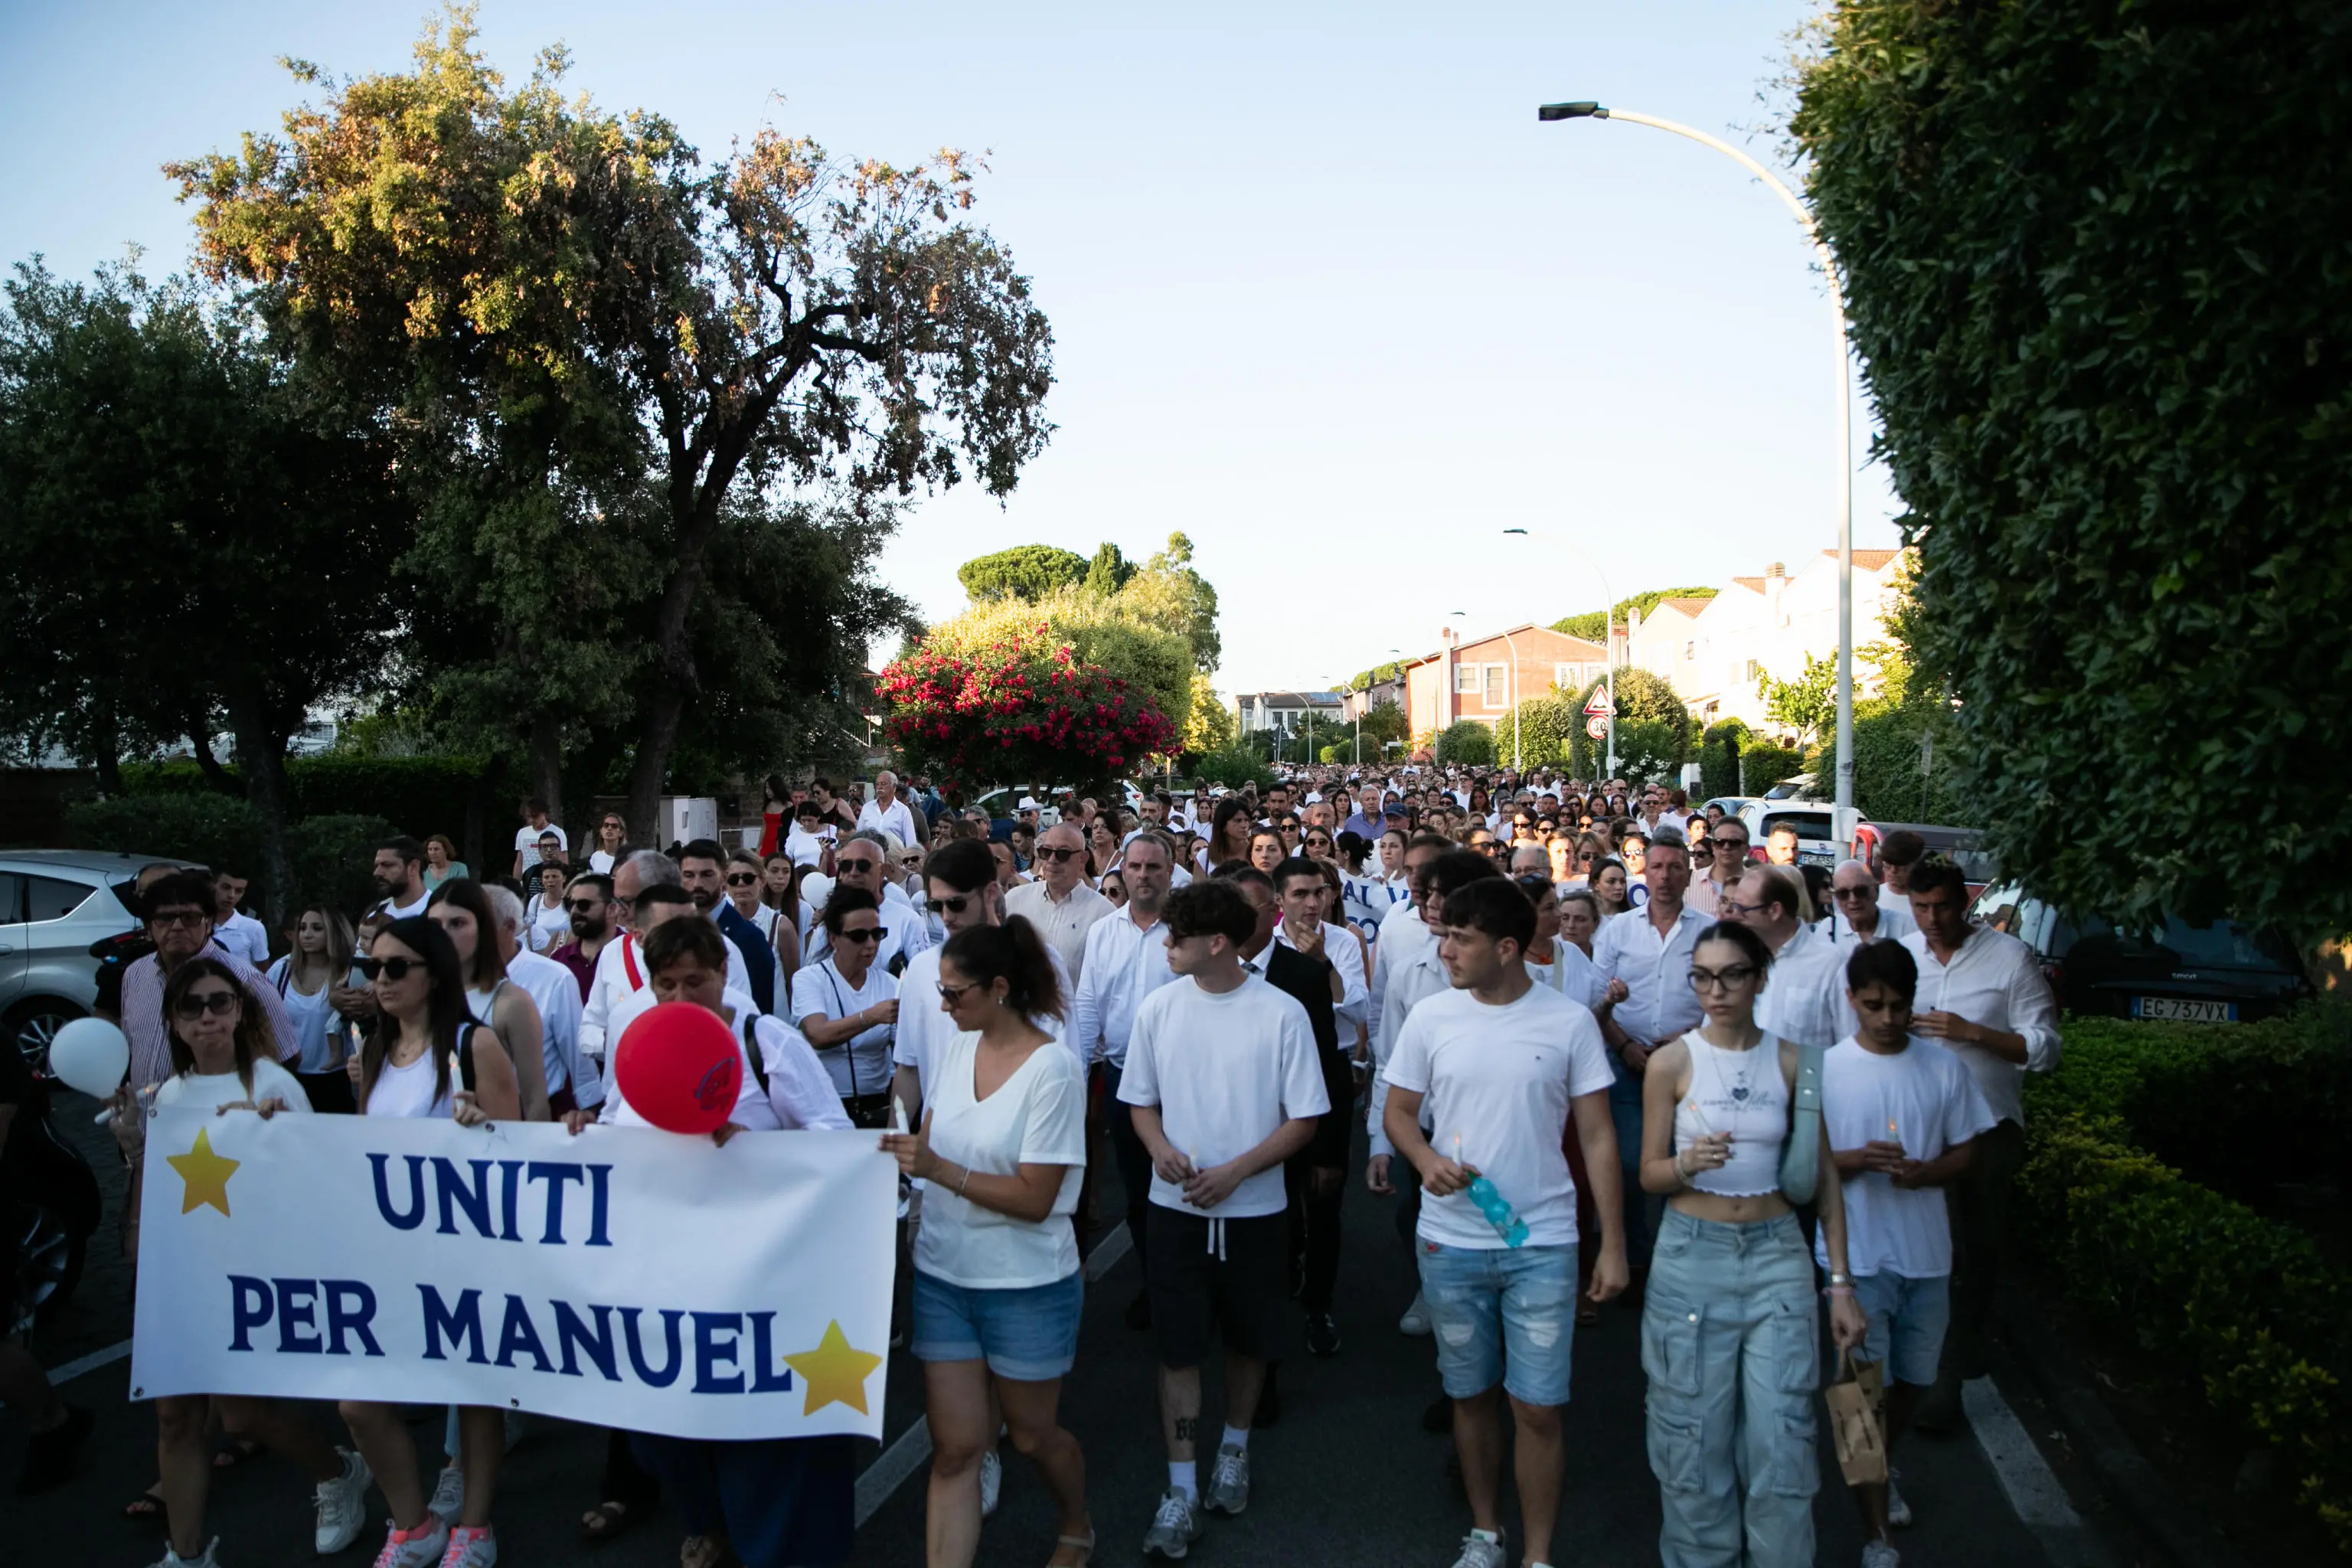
(393, 969)
(952, 994)
(196, 1003)
(584, 906)
(859, 863)
(861, 933)
(954, 906)
(1057, 854)
(169, 918)
(1728, 979)
(743, 879)
(1844, 894)
(1732, 906)
(1732, 842)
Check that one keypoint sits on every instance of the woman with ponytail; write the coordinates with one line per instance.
(998, 1290)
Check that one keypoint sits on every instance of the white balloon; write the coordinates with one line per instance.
(91, 1055)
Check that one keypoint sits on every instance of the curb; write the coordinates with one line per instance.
(2186, 1538)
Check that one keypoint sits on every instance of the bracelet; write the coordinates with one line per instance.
(1839, 1277)
(1681, 1175)
(963, 1179)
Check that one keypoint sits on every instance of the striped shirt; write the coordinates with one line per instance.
(143, 1014)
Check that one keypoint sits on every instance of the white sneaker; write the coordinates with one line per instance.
(1898, 1512)
(471, 1548)
(1228, 1490)
(343, 1505)
(992, 1482)
(422, 1551)
(173, 1560)
(1415, 1321)
(1478, 1552)
(449, 1494)
(1174, 1527)
(1878, 1554)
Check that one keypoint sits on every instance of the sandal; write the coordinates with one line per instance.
(1085, 1543)
(147, 1505)
(608, 1521)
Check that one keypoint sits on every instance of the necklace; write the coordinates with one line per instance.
(1740, 1091)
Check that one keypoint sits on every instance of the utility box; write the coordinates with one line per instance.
(684, 818)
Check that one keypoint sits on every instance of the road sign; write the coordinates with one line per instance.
(1597, 705)
(1597, 727)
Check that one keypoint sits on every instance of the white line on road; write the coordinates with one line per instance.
(2026, 1479)
(903, 1457)
(91, 1363)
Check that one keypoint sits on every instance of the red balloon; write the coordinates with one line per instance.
(679, 1066)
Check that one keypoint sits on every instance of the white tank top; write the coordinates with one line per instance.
(1741, 1093)
(408, 1091)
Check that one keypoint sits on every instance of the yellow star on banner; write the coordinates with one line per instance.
(206, 1173)
(834, 1373)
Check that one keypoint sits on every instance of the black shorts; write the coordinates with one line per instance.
(1236, 1281)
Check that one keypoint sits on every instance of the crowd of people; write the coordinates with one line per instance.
(1596, 1046)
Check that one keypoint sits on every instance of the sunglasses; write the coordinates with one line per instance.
(1058, 855)
(1733, 844)
(952, 994)
(196, 1003)
(859, 863)
(584, 906)
(744, 879)
(861, 933)
(954, 906)
(393, 969)
(180, 917)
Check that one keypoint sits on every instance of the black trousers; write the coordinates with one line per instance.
(1134, 1163)
(1314, 1228)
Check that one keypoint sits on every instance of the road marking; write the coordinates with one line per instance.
(2026, 1479)
(91, 1363)
(903, 1457)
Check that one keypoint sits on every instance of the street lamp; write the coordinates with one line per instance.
(1608, 641)
(1589, 110)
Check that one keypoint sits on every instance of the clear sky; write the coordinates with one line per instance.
(1326, 297)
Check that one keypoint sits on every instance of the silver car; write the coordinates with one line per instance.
(53, 904)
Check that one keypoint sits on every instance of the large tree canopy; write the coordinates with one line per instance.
(2096, 267)
(566, 311)
(1026, 571)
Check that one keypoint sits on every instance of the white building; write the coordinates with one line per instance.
(1284, 711)
(1715, 652)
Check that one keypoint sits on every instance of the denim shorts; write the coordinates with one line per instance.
(1029, 1335)
(1908, 1319)
(1501, 1314)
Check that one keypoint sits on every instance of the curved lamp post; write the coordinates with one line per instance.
(1589, 110)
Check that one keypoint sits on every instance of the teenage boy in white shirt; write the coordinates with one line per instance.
(1902, 1117)
(1224, 1085)
(1502, 1064)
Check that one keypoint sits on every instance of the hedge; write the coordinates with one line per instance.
(1764, 764)
(2247, 1308)
(1467, 742)
(1718, 757)
(1232, 769)
(421, 796)
(331, 855)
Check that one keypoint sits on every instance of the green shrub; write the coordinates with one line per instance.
(1647, 753)
(1467, 743)
(333, 860)
(209, 828)
(419, 795)
(1232, 769)
(1719, 758)
(1764, 764)
(2246, 1308)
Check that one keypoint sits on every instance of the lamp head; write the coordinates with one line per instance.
(1581, 111)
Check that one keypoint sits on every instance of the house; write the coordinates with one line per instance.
(1284, 711)
(1482, 677)
(1666, 640)
(1763, 626)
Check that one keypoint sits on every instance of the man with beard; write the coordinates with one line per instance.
(589, 900)
(400, 878)
(702, 869)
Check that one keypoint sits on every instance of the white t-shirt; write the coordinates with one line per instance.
(1923, 1097)
(1225, 1073)
(1499, 1081)
(924, 1027)
(246, 937)
(527, 842)
(1036, 1117)
(551, 928)
(601, 861)
(213, 1091)
(861, 1064)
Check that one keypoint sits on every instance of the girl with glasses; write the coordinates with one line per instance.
(998, 1285)
(430, 1058)
(224, 1058)
(847, 1006)
(1730, 1334)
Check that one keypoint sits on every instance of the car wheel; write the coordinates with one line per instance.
(33, 1024)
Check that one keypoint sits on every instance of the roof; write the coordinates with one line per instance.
(1584, 648)
(1683, 604)
(1754, 585)
(1290, 698)
(1869, 560)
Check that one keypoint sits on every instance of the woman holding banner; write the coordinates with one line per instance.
(462, 907)
(224, 1058)
(430, 1059)
(998, 1286)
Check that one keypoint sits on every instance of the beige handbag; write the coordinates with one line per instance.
(1854, 1421)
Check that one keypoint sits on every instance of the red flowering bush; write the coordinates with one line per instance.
(1020, 709)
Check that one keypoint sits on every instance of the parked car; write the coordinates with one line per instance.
(1815, 823)
(1962, 846)
(2222, 973)
(53, 904)
(1731, 805)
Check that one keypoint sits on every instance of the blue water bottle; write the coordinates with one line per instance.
(1499, 1212)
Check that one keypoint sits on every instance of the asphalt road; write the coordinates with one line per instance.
(1346, 1476)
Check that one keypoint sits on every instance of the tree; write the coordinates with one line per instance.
(1640, 695)
(1026, 572)
(193, 538)
(1097, 631)
(1718, 757)
(1109, 571)
(1592, 625)
(1209, 725)
(1541, 729)
(1807, 704)
(1168, 593)
(573, 296)
(1467, 742)
(1648, 752)
(2106, 329)
(1383, 722)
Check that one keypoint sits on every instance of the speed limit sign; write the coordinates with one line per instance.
(1597, 727)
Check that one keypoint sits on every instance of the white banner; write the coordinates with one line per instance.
(626, 1277)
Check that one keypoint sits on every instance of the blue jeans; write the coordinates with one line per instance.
(1729, 1341)
(1502, 1314)
(1625, 1116)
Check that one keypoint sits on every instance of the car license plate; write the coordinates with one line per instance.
(2174, 1010)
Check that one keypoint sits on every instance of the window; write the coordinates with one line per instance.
(1465, 678)
(12, 898)
(1565, 676)
(53, 898)
(1497, 687)
(1754, 669)
(1690, 648)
